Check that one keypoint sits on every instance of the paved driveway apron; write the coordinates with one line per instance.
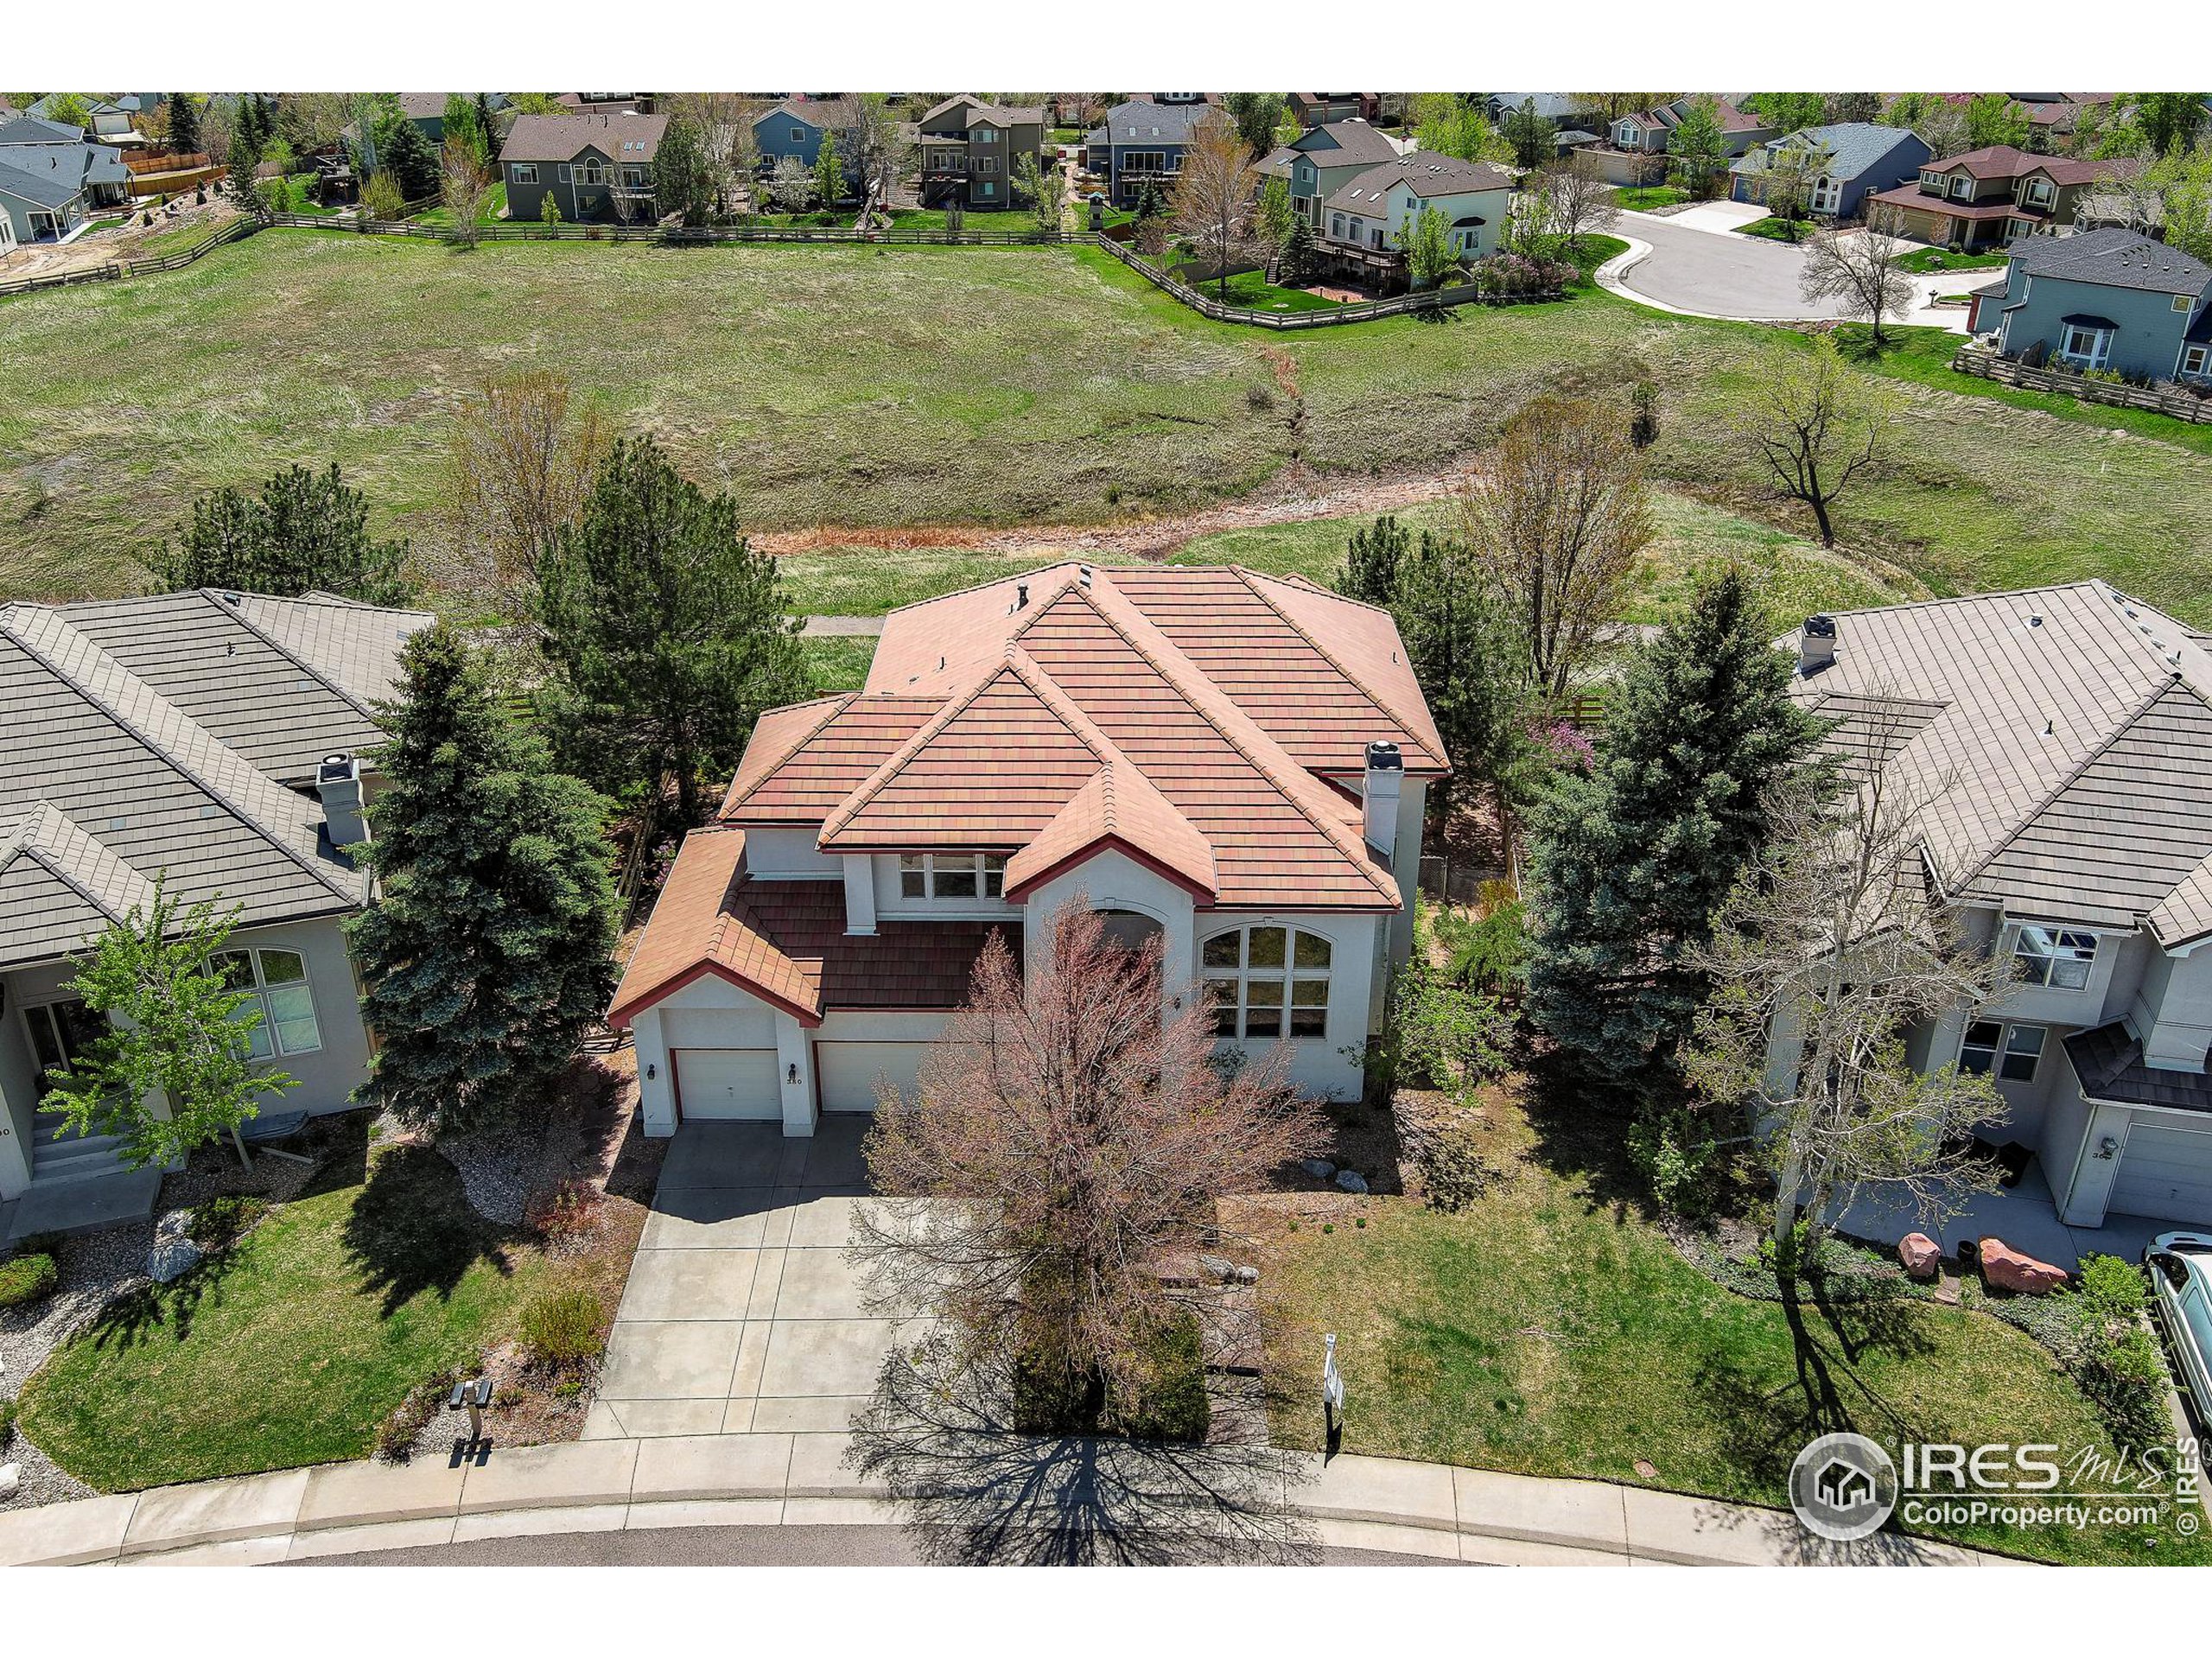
(742, 1314)
(1719, 273)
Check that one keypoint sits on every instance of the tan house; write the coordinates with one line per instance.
(1988, 198)
(968, 149)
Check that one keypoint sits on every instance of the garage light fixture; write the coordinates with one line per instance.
(791, 1072)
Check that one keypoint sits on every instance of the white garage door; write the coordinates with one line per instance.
(849, 1071)
(716, 1082)
(2164, 1173)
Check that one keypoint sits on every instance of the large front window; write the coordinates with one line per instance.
(1262, 978)
(2012, 1051)
(2055, 958)
(951, 875)
(278, 981)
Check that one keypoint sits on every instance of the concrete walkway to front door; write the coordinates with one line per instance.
(742, 1314)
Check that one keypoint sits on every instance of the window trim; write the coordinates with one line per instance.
(524, 172)
(2195, 358)
(2066, 944)
(1232, 1017)
(2183, 304)
(259, 989)
(2002, 1048)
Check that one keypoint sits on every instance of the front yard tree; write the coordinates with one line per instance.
(829, 174)
(179, 1032)
(304, 531)
(1425, 241)
(1864, 269)
(1214, 195)
(1830, 951)
(1630, 860)
(1815, 425)
(1556, 527)
(1530, 135)
(683, 181)
(1581, 199)
(1698, 148)
(1066, 1142)
(488, 953)
(665, 629)
(1785, 174)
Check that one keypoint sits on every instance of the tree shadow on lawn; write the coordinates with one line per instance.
(1581, 1134)
(411, 1229)
(136, 1317)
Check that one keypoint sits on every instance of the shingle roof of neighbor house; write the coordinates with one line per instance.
(1425, 173)
(156, 735)
(2004, 162)
(2066, 734)
(1208, 720)
(1356, 142)
(2114, 257)
(1852, 146)
(1009, 115)
(1141, 122)
(564, 137)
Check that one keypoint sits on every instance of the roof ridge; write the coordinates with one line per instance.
(12, 624)
(839, 699)
(1251, 579)
(1292, 795)
(31, 838)
(213, 596)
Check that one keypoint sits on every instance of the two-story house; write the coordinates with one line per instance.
(591, 166)
(1634, 147)
(2064, 737)
(53, 178)
(1234, 764)
(1311, 110)
(1847, 161)
(1142, 142)
(796, 130)
(209, 740)
(1321, 162)
(968, 149)
(2106, 299)
(1366, 220)
(1995, 195)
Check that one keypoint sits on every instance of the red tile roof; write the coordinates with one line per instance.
(1117, 808)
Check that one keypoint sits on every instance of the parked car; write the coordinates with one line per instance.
(2181, 1284)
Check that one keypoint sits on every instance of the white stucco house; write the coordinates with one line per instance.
(2066, 736)
(209, 739)
(1236, 762)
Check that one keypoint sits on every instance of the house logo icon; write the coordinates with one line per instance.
(1843, 1487)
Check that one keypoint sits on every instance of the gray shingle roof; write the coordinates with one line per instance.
(1140, 122)
(2112, 257)
(352, 646)
(1425, 173)
(107, 781)
(1853, 147)
(2109, 1063)
(46, 188)
(564, 137)
(2071, 753)
(1345, 144)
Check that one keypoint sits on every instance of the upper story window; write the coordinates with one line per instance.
(525, 172)
(279, 980)
(951, 875)
(1961, 186)
(2038, 193)
(2055, 958)
(1938, 182)
(1261, 975)
(2184, 302)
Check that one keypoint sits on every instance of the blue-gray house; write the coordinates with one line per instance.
(1854, 159)
(2112, 299)
(796, 127)
(1142, 142)
(52, 178)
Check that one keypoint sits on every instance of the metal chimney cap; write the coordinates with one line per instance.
(1821, 626)
(337, 767)
(1384, 757)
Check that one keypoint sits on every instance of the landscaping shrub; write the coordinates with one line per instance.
(7, 1422)
(561, 1328)
(1454, 1037)
(1171, 1406)
(219, 1223)
(570, 1211)
(2116, 1360)
(397, 1435)
(1675, 1152)
(1453, 1174)
(28, 1279)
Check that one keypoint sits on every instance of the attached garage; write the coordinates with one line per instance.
(848, 1071)
(726, 1083)
(2165, 1172)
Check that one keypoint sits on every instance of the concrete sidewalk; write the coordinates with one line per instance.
(800, 1479)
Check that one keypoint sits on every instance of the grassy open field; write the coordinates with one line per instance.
(867, 387)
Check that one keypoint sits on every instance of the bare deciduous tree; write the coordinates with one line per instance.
(1557, 525)
(1785, 176)
(1865, 268)
(1071, 1137)
(523, 454)
(876, 150)
(1832, 949)
(1579, 197)
(461, 190)
(1816, 423)
(1215, 195)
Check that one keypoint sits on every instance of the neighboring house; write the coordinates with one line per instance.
(427, 111)
(794, 129)
(54, 177)
(1143, 143)
(206, 740)
(1364, 220)
(1563, 110)
(605, 103)
(2065, 734)
(968, 149)
(1323, 160)
(1991, 196)
(1633, 148)
(107, 122)
(1855, 159)
(593, 166)
(1235, 763)
(1311, 110)
(2108, 299)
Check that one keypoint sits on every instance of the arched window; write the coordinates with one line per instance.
(1261, 976)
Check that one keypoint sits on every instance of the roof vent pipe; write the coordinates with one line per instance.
(1083, 574)
(1021, 597)
(1815, 644)
(338, 780)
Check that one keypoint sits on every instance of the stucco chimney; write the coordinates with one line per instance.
(1379, 792)
(1815, 644)
(338, 780)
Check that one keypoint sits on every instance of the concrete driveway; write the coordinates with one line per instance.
(742, 1314)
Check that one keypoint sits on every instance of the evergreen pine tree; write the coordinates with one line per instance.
(1630, 863)
(1297, 261)
(665, 631)
(683, 183)
(1371, 561)
(488, 952)
(304, 531)
(403, 152)
(184, 124)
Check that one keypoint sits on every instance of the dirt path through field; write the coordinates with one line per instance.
(1289, 499)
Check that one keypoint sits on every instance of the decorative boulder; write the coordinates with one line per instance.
(1248, 1275)
(11, 1476)
(2004, 1267)
(170, 1259)
(1351, 1180)
(1217, 1267)
(1319, 1168)
(1921, 1255)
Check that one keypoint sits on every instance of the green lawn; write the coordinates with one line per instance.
(1645, 197)
(493, 210)
(1252, 290)
(1775, 230)
(837, 663)
(1924, 260)
(1550, 1329)
(827, 387)
(293, 1348)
